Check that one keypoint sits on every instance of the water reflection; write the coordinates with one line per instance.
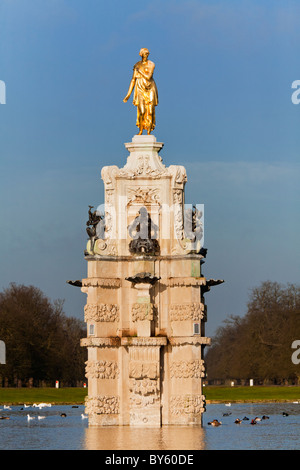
(280, 431)
(165, 438)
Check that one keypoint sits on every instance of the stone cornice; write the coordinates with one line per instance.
(92, 341)
(144, 341)
(192, 340)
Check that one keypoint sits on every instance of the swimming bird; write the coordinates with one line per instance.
(7, 407)
(41, 417)
(284, 414)
(215, 422)
(265, 417)
(227, 404)
(4, 417)
(245, 418)
(26, 406)
(226, 414)
(253, 421)
(257, 419)
(63, 415)
(83, 416)
(238, 421)
(30, 417)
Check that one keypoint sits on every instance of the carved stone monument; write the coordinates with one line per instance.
(145, 309)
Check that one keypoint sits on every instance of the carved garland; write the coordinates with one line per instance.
(101, 312)
(178, 213)
(101, 370)
(187, 369)
(187, 404)
(102, 404)
(143, 195)
(142, 312)
(193, 311)
(98, 282)
(140, 370)
(143, 383)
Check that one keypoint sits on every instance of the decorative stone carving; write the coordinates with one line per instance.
(187, 404)
(144, 386)
(101, 312)
(186, 281)
(178, 213)
(187, 369)
(108, 174)
(143, 341)
(108, 224)
(102, 404)
(150, 378)
(142, 311)
(143, 195)
(101, 282)
(140, 370)
(189, 340)
(178, 173)
(140, 401)
(143, 383)
(96, 342)
(101, 369)
(109, 194)
(192, 311)
(107, 247)
(143, 165)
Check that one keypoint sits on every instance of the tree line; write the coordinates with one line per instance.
(42, 343)
(258, 345)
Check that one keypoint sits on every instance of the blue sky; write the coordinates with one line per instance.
(224, 71)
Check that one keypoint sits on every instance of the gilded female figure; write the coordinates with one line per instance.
(145, 95)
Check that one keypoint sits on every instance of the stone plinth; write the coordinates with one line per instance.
(145, 310)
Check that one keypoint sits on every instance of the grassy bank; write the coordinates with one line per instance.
(219, 394)
(56, 396)
(236, 394)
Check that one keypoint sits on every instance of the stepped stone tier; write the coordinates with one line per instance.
(145, 310)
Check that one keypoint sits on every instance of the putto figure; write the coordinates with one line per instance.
(95, 226)
(145, 92)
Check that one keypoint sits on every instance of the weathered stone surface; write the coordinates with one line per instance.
(145, 364)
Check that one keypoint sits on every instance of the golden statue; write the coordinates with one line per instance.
(145, 92)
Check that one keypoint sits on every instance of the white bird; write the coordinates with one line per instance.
(227, 404)
(26, 406)
(41, 417)
(6, 407)
(83, 416)
(30, 417)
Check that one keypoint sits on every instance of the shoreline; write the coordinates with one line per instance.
(208, 402)
(75, 396)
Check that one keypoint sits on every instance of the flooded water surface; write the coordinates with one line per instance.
(63, 428)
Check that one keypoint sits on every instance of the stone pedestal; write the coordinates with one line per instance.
(145, 309)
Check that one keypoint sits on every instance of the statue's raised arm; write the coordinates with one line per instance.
(145, 96)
